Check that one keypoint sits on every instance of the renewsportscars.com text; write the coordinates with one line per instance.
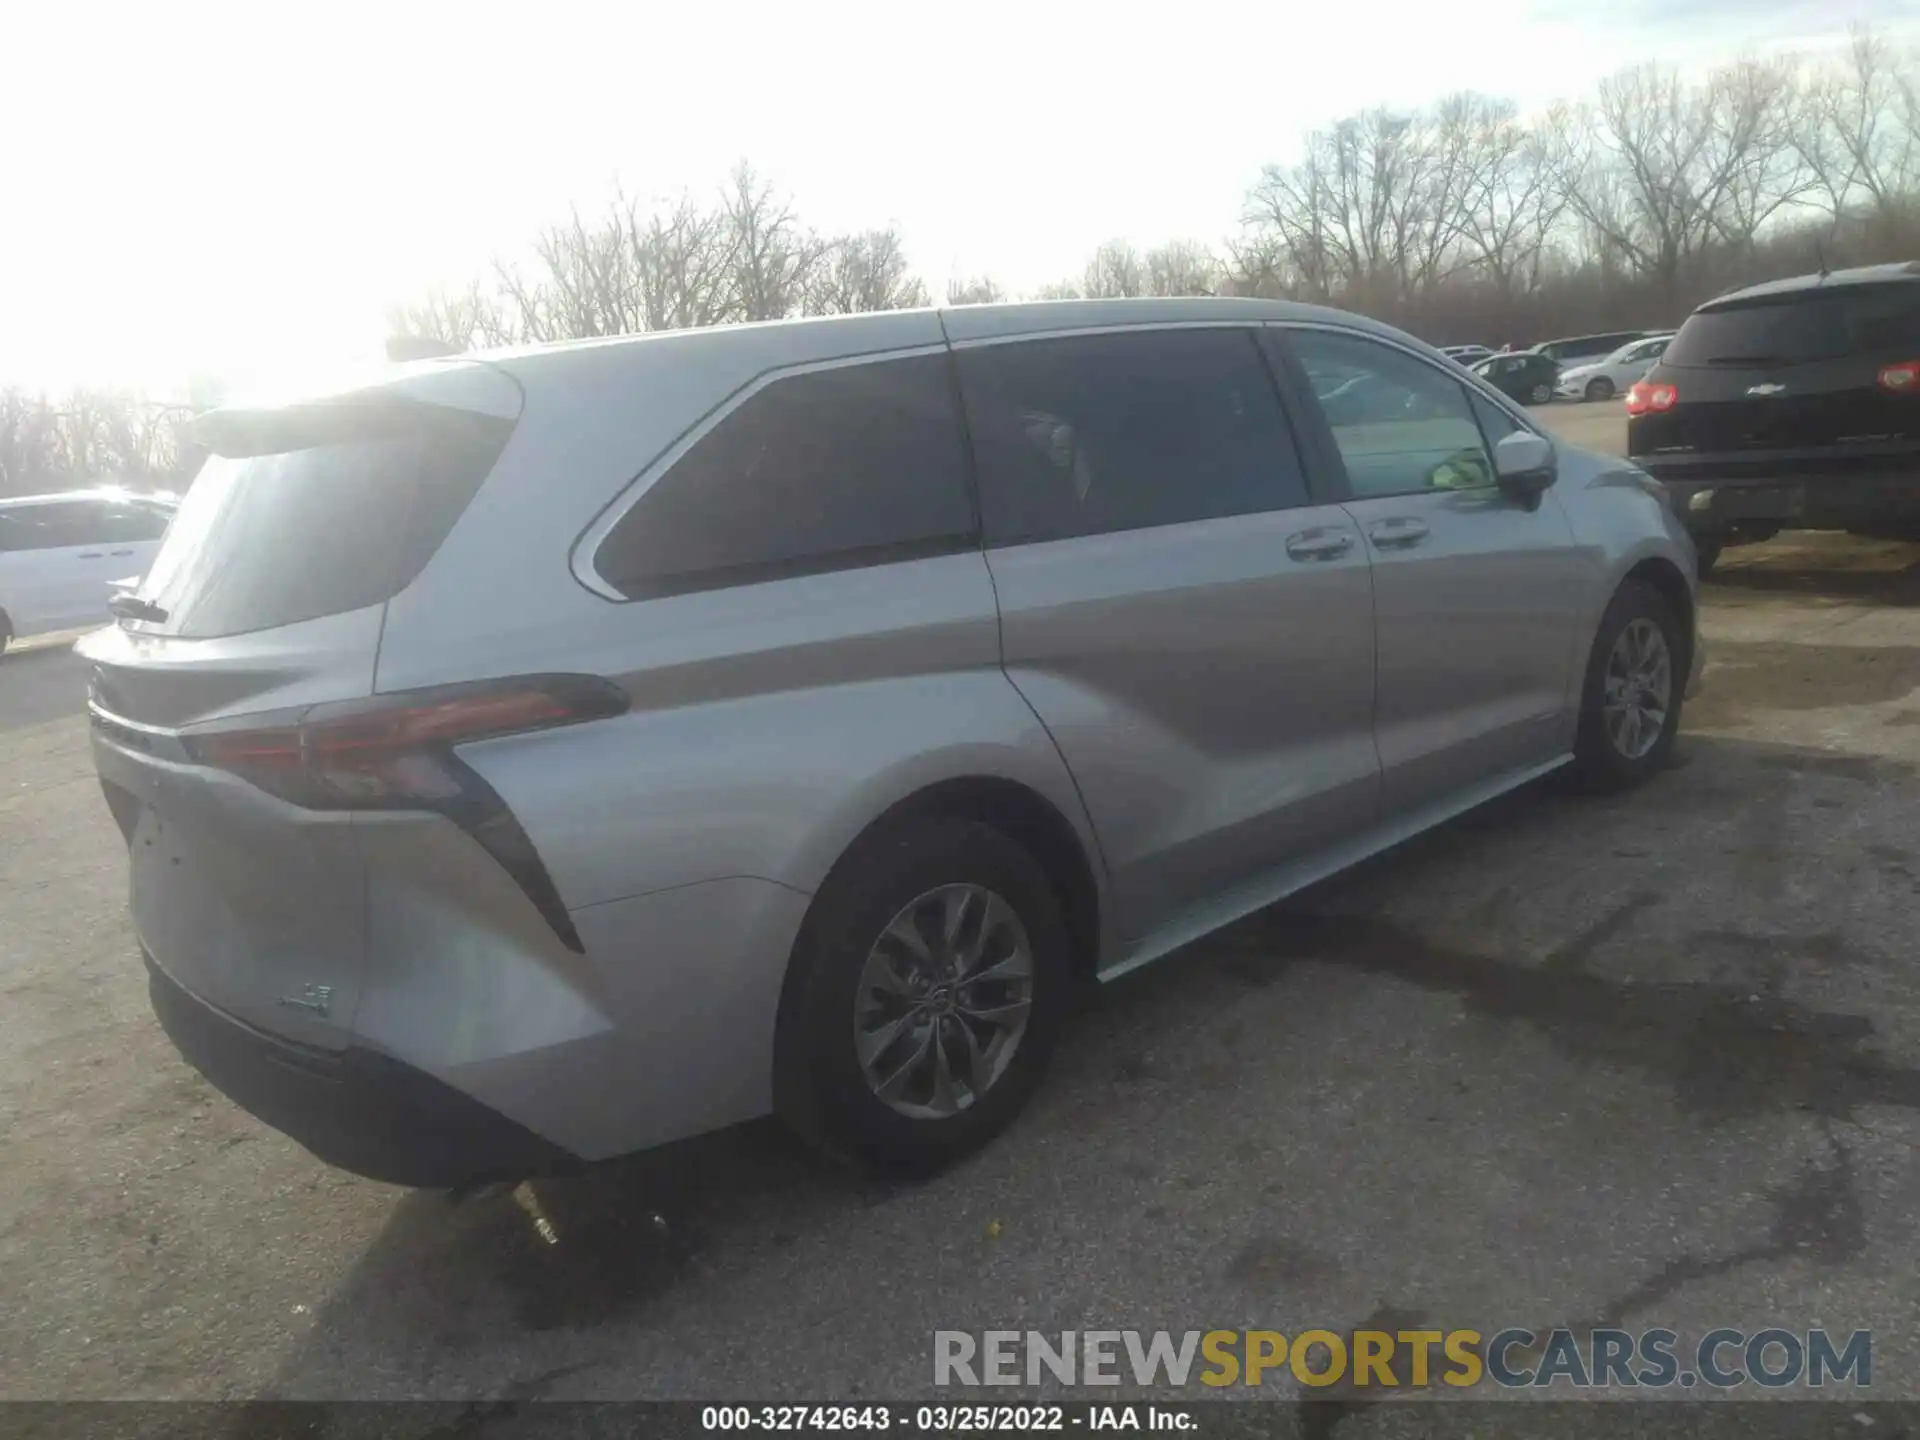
(1604, 1358)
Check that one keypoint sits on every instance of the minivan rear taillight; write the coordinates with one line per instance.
(1642, 397)
(1903, 378)
(395, 752)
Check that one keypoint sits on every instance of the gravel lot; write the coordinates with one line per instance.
(1651, 1060)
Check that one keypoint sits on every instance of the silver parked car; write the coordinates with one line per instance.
(536, 756)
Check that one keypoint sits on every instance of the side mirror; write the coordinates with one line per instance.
(1523, 464)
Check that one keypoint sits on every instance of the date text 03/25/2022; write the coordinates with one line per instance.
(938, 1419)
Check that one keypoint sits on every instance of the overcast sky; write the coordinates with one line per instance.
(241, 190)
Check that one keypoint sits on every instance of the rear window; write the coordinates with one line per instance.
(273, 538)
(1793, 330)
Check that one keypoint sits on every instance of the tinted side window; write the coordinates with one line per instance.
(818, 471)
(1408, 427)
(51, 527)
(1102, 433)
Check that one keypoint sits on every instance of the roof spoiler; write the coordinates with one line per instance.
(237, 431)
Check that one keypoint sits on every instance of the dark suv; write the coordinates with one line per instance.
(1527, 375)
(1790, 405)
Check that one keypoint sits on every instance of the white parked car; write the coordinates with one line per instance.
(61, 555)
(1616, 374)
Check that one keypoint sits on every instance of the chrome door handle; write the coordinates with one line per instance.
(1323, 544)
(118, 553)
(1397, 532)
(90, 555)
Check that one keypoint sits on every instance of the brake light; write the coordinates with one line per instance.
(1904, 377)
(1643, 397)
(395, 752)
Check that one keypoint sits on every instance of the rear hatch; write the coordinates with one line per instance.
(1802, 379)
(263, 607)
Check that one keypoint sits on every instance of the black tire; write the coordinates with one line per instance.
(820, 1087)
(1600, 388)
(6, 632)
(1706, 552)
(1540, 395)
(1599, 763)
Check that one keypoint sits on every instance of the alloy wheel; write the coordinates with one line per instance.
(943, 1001)
(1638, 689)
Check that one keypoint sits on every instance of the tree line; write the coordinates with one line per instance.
(1464, 222)
(90, 436)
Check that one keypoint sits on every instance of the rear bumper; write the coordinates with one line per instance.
(355, 1109)
(1722, 495)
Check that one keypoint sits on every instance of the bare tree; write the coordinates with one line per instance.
(92, 435)
(463, 318)
(1755, 107)
(979, 290)
(652, 266)
(1115, 271)
(1859, 132)
(1182, 267)
(685, 273)
(1657, 169)
(773, 257)
(1352, 212)
(1512, 203)
(30, 443)
(1257, 265)
(865, 272)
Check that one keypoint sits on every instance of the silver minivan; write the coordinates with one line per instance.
(531, 757)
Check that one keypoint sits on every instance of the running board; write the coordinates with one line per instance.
(1277, 884)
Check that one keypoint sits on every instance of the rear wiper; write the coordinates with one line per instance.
(132, 607)
(1755, 360)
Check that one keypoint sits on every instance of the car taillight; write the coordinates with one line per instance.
(1642, 397)
(395, 752)
(1901, 378)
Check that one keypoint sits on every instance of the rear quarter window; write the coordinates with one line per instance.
(267, 539)
(824, 470)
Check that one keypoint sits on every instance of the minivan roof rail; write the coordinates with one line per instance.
(402, 348)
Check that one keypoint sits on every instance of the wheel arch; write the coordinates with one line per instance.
(1664, 577)
(1025, 816)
